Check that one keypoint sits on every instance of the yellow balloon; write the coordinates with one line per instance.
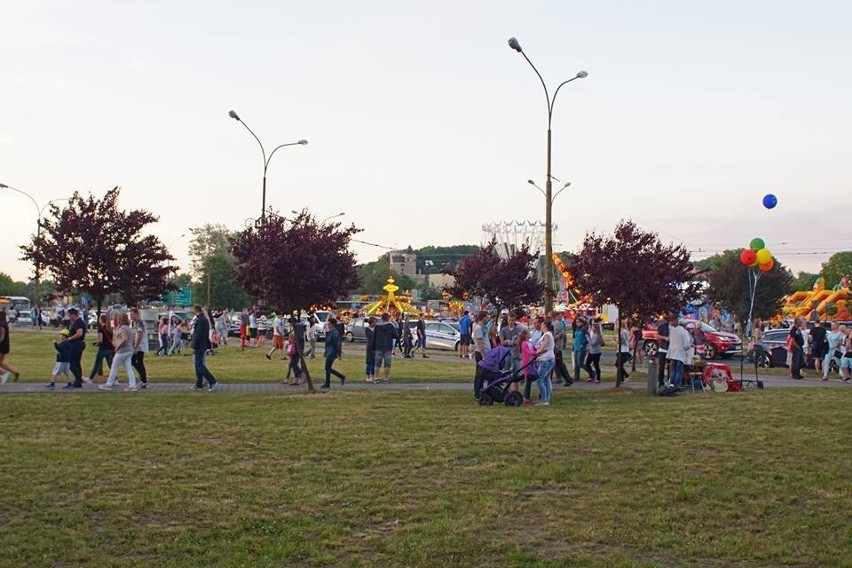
(763, 256)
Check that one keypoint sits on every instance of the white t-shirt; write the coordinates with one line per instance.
(140, 327)
(481, 333)
(547, 342)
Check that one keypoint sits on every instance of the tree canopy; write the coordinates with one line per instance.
(374, 275)
(728, 285)
(214, 267)
(92, 247)
(508, 283)
(836, 267)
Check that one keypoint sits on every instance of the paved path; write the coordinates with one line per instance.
(361, 386)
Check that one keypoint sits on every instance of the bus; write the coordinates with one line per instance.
(22, 307)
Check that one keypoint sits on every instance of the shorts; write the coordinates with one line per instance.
(278, 341)
(253, 332)
(465, 339)
(61, 369)
(846, 363)
(383, 357)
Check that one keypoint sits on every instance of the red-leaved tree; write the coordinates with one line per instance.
(635, 271)
(92, 247)
(508, 283)
(295, 264)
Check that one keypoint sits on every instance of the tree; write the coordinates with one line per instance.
(374, 275)
(509, 283)
(93, 247)
(296, 264)
(9, 287)
(213, 265)
(636, 272)
(728, 285)
(836, 267)
(429, 292)
(803, 281)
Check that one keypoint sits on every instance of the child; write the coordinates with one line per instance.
(527, 355)
(63, 359)
(294, 361)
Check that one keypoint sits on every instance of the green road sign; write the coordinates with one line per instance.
(179, 297)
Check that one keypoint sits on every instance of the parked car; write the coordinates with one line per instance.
(355, 330)
(442, 335)
(717, 343)
(773, 352)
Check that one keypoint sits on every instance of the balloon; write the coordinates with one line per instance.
(748, 257)
(767, 266)
(763, 256)
(770, 201)
(756, 244)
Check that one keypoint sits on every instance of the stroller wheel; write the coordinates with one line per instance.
(485, 400)
(760, 385)
(513, 399)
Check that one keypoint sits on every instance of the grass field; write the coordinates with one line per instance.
(427, 479)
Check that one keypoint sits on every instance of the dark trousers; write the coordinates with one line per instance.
(562, 369)
(798, 361)
(103, 354)
(581, 363)
(138, 362)
(479, 377)
(662, 363)
(594, 362)
(294, 367)
(202, 373)
(329, 371)
(621, 359)
(77, 362)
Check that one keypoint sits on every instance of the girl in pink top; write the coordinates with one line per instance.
(527, 353)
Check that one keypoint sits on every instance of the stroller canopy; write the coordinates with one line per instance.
(494, 359)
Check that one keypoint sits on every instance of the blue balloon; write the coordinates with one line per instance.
(770, 201)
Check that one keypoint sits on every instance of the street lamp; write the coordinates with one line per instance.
(40, 212)
(341, 214)
(266, 159)
(548, 192)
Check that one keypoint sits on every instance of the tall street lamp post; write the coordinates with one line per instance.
(39, 212)
(266, 159)
(548, 193)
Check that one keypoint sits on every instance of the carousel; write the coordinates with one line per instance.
(392, 303)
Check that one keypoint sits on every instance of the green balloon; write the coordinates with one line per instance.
(756, 244)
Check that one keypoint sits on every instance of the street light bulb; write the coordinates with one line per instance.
(303, 142)
(582, 75)
(531, 182)
(233, 115)
(4, 186)
(513, 43)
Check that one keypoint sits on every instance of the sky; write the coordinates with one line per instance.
(423, 124)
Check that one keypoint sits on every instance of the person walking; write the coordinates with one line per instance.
(200, 345)
(679, 342)
(105, 348)
(834, 340)
(262, 328)
(370, 354)
(332, 352)
(77, 341)
(311, 337)
(163, 336)
(123, 344)
(221, 325)
(636, 346)
(546, 358)
(421, 336)
(140, 345)
(384, 337)
(4, 349)
(63, 360)
(581, 349)
(596, 343)
(277, 336)
(177, 338)
(819, 344)
(623, 355)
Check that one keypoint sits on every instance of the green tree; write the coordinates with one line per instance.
(728, 285)
(836, 267)
(213, 266)
(374, 275)
(804, 281)
(429, 292)
(9, 287)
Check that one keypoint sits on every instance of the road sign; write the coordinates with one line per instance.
(179, 297)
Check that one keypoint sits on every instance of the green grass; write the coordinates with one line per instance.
(33, 356)
(598, 479)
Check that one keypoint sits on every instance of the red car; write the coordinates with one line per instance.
(716, 343)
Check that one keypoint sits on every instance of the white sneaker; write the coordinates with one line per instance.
(105, 387)
(5, 378)
(541, 403)
(130, 389)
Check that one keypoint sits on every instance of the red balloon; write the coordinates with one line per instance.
(748, 257)
(767, 266)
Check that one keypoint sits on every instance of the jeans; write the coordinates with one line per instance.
(797, 364)
(76, 362)
(621, 359)
(677, 372)
(164, 344)
(177, 344)
(594, 363)
(329, 371)
(661, 367)
(580, 363)
(561, 369)
(202, 373)
(545, 387)
(103, 354)
(138, 362)
(119, 359)
(370, 369)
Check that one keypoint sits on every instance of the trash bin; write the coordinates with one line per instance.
(653, 371)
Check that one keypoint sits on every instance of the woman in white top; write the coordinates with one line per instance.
(623, 355)
(546, 360)
(122, 341)
(679, 342)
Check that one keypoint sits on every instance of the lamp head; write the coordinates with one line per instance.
(531, 182)
(4, 186)
(582, 75)
(513, 43)
(233, 115)
(303, 142)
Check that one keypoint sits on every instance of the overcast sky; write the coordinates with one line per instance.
(423, 124)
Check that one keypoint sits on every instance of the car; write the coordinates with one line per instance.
(442, 335)
(773, 352)
(717, 343)
(356, 330)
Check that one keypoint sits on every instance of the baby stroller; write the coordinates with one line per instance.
(494, 383)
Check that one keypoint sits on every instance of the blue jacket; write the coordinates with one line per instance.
(332, 343)
(63, 352)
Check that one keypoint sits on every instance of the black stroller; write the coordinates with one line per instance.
(493, 383)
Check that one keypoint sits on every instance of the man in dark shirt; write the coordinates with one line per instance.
(797, 351)
(662, 350)
(200, 345)
(77, 343)
(384, 337)
(819, 344)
